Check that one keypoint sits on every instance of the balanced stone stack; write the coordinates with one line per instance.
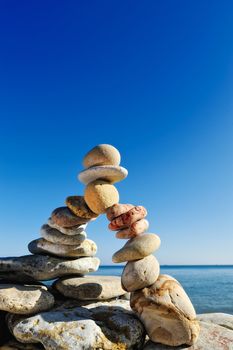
(159, 300)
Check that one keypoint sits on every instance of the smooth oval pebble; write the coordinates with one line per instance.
(70, 231)
(64, 217)
(109, 173)
(127, 219)
(134, 230)
(90, 287)
(140, 273)
(79, 207)
(117, 209)
(100, 195)
(102, 154)
(137, 248)
(19, 299)
(54, 236)
(41, 246)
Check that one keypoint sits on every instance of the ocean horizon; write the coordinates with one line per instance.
(210, 287)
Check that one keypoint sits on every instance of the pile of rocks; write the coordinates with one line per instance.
(159, 300)
(93, 312)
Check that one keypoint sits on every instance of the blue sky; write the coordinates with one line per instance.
(153, 78)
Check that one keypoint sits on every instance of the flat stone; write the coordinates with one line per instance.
(105, 326)
(79, 207)
(54, 236)
(117, 209)
(41, 246)
(41, 267)
(134, 230)
(212, 337)
(102, 155)
(70, 231)
(24, 300)
(109, 173)
(166, 312)
(100, 195)
(90, 287)
(221, 319)
(64, 217)
(127, 219)
(141, 273)
(137, 248)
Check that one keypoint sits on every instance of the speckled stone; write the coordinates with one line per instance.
(41, 246)
(70, 231)
(127, 219)
(41, 267)
(102, 325)
(134, 230)
(54, 236)
(166, 312)
(103, 154)
(90, 287)
(139, 274)
(109, 173)
(117, 209)
(18, 299)
(79, 207)
(64, 217)
(137, 248)
(100, 195)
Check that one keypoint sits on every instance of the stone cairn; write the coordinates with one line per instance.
(101, 317)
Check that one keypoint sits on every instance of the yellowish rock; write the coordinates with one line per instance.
(102, 155)
(100, 195)
(79, 207)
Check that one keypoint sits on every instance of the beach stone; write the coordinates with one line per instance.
(117, 209)
(166, 312)
(54, 236)
(79, 207)
(90, 287)
(137, 248)
(109, 173)
(41, 246)
(70, 231)
(103, 325)
(99, 195)
(221, 319)
(64, 217)
(134, 230)
(41, 267)
(211, 337)
(103, 154)
(24, 300)
(140, 273)
(128, 218)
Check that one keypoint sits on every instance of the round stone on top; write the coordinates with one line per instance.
(102, 155)
(110, 173)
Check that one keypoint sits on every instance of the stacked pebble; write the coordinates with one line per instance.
(142, 268)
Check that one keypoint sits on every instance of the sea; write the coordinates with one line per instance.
(210, 288)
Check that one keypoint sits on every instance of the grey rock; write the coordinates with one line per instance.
(110, 173)
(221, 319)
(54, 236)
(105, 326)
(211, 337)
(41, 267)
(24, 300)
(70, 231)
(15, 345)
(41, 246)
(90, 287)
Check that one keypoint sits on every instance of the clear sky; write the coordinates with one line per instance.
(153, 78)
